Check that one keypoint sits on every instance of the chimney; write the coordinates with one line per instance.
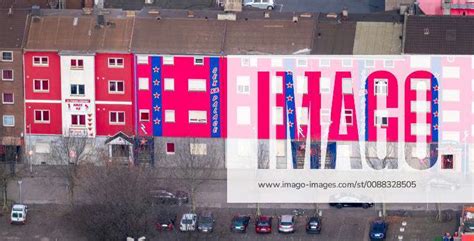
(345, 13)
(10, 11)
(295, 19)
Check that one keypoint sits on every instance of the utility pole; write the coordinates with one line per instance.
(19, 194)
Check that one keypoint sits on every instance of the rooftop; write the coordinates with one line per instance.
(12, 28)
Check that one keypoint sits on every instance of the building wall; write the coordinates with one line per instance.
(16, 87)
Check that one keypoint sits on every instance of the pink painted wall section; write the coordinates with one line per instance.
(459, 7)
(181, 100)
(445, 98)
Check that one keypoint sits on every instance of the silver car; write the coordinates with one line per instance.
(262, 4)
(286, 224)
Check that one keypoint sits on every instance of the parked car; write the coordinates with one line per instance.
(165, 221)
(188, 222)
(206, 222)
(313, 225)
(166, 197)
(263, 224)
(350, 200)
(18, 214)
(378, 230)
(262, 4)
(342, 205)
(286, 224)
(239, 223)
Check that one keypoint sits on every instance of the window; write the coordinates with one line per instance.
(142, 59)
(198, 61)
(41, 116)
(8, 98)
(325, 115)
(381, 118)
(7, 56)
(381, 87)
(277, 115)
(197, 116)
(347, 63)
(277, 85)
(196, 85)
(78, 120)
(144, 115)
(276, 62)
(169, 84)
(40, 85)
(369, 63)
(347, 86)
(168, 60)
(243, 84)
(302, 85)
(302, 115)
(245, 61)
(143, 83)
(302, 62)
(8, 120)
(348, 116)
(115, 62)
(325, 85)
(77, 64)
(447, 161)
(77, 89)
(117, 118)
(198, 149)
(116, 87)
(170, 116)
(280, 146)
(243, 115)
(170, 148)
(388, 63)
(40, 61)
(324, 63)
(7, 74)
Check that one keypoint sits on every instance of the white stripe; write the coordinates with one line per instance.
(113, 102)
(44, 101)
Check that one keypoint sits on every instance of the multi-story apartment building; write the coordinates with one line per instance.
(13, 27)
(79, 77)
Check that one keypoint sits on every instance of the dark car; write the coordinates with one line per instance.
(263, 224)
(166, 197)
(165, 221)
(313, 225)
(206, 222)
(378, 230)
(239, 223)
(341, 205)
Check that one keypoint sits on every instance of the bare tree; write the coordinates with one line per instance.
(117, 202)
(8, 159)
(195, 164)
(69, 153)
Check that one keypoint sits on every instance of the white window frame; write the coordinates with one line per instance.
(42, 116)
(8, 103)
(115, 64)
(198, 60)
(77, 66)
(78, 120)
(326, 81)
(142, 59)
(379, 116)
(243, 85)
(302, 115)
(245, 61)
(41, 90)
(117, 118)
(195, 87)
(77, 88)
(13, 74)
(197, 120)
(170, 116)
(143, 83)
(302, 62)
(347, 83)
(144, 111)
(8, 116)
(350, 115)
(324, 63)
(198, 149)
(346, 63)
(379, 86)
(243, 115)
(168, 60)
(277, 115)
(169, 84)
(41, 63)
(302, 84)
(116, 87)
(369, 63)
(389, 63)
(325, 112)
(174, 148)
(7, 60)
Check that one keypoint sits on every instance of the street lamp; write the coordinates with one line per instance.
(19, 194)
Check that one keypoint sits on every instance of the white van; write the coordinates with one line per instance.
(18, 215)
(262, 4)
